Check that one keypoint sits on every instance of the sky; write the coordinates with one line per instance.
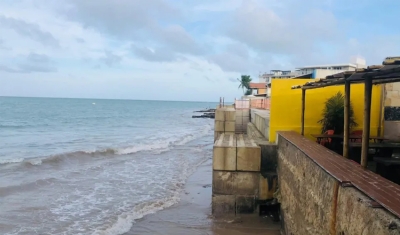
(180, 50)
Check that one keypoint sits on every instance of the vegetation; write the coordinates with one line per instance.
(245, 84)
(333, 114)
(248, 92)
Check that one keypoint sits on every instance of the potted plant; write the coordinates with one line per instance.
(333, 114)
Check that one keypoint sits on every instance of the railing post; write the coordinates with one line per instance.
(303, 107)
(346, 119)
(367, 120)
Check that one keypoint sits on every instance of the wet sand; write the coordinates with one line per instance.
(192, 215)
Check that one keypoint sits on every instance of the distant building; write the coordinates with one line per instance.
(260, 87)
(315, 71)
(321, 71)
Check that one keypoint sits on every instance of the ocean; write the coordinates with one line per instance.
(92, 166)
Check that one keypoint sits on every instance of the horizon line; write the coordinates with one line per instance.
(49, 97)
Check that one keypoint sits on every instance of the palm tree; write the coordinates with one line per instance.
(333, 114)
(245, 83)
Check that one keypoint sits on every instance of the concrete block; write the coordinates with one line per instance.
(224, 182)
(223, 204)
(224, 153)
(220, 114)
(246, 183)
(219, 126)
(239, 129)
(238, 120)
(248, 154)
(230, 114)
(217, 134)
(245, 204)
(267, 187)
(242, 113)
(229, 126)
(254, 133)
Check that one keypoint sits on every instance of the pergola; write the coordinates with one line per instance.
(373, 75)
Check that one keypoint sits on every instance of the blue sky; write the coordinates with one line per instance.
(180, 50)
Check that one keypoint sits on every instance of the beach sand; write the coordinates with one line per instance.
(192, 215)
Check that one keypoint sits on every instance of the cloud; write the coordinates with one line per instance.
(215, 40)
(280, 32)
(29, 30)
(176, 37)
(154, 54)
(123, 18)
(80, 40)
(111, 59)
(32, 63)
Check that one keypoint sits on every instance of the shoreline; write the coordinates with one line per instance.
(192, 214)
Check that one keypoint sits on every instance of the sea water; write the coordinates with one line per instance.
(90, 166)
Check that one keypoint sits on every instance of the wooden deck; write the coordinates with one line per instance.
(349, 173)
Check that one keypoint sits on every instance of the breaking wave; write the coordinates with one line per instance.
(157, 147)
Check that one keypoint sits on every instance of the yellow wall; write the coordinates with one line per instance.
(286, 106)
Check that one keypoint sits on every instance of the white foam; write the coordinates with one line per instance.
(166, 144)
(125, 221)
(7, 161)
(35, 162)
(157, 146)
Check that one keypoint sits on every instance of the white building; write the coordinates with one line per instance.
(315, 71)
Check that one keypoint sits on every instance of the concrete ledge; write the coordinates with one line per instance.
(260, 118)
(248, 154)
(217, 134)
(224, 153)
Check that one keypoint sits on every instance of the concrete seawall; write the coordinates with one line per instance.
(244, 165)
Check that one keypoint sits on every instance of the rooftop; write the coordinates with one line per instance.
(328, 65)
(378, 73)
(261, 85)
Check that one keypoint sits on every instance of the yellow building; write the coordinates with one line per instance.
(285, 111)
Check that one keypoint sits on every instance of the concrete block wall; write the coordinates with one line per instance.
(225, 121)
(236, 175)
(242, 118)
(268, 175)
(261, 120)
(307, 196)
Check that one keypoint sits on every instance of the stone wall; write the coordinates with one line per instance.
(313, 202)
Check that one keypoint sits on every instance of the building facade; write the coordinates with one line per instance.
(315, 71)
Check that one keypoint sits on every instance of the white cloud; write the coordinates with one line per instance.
(187, 49)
